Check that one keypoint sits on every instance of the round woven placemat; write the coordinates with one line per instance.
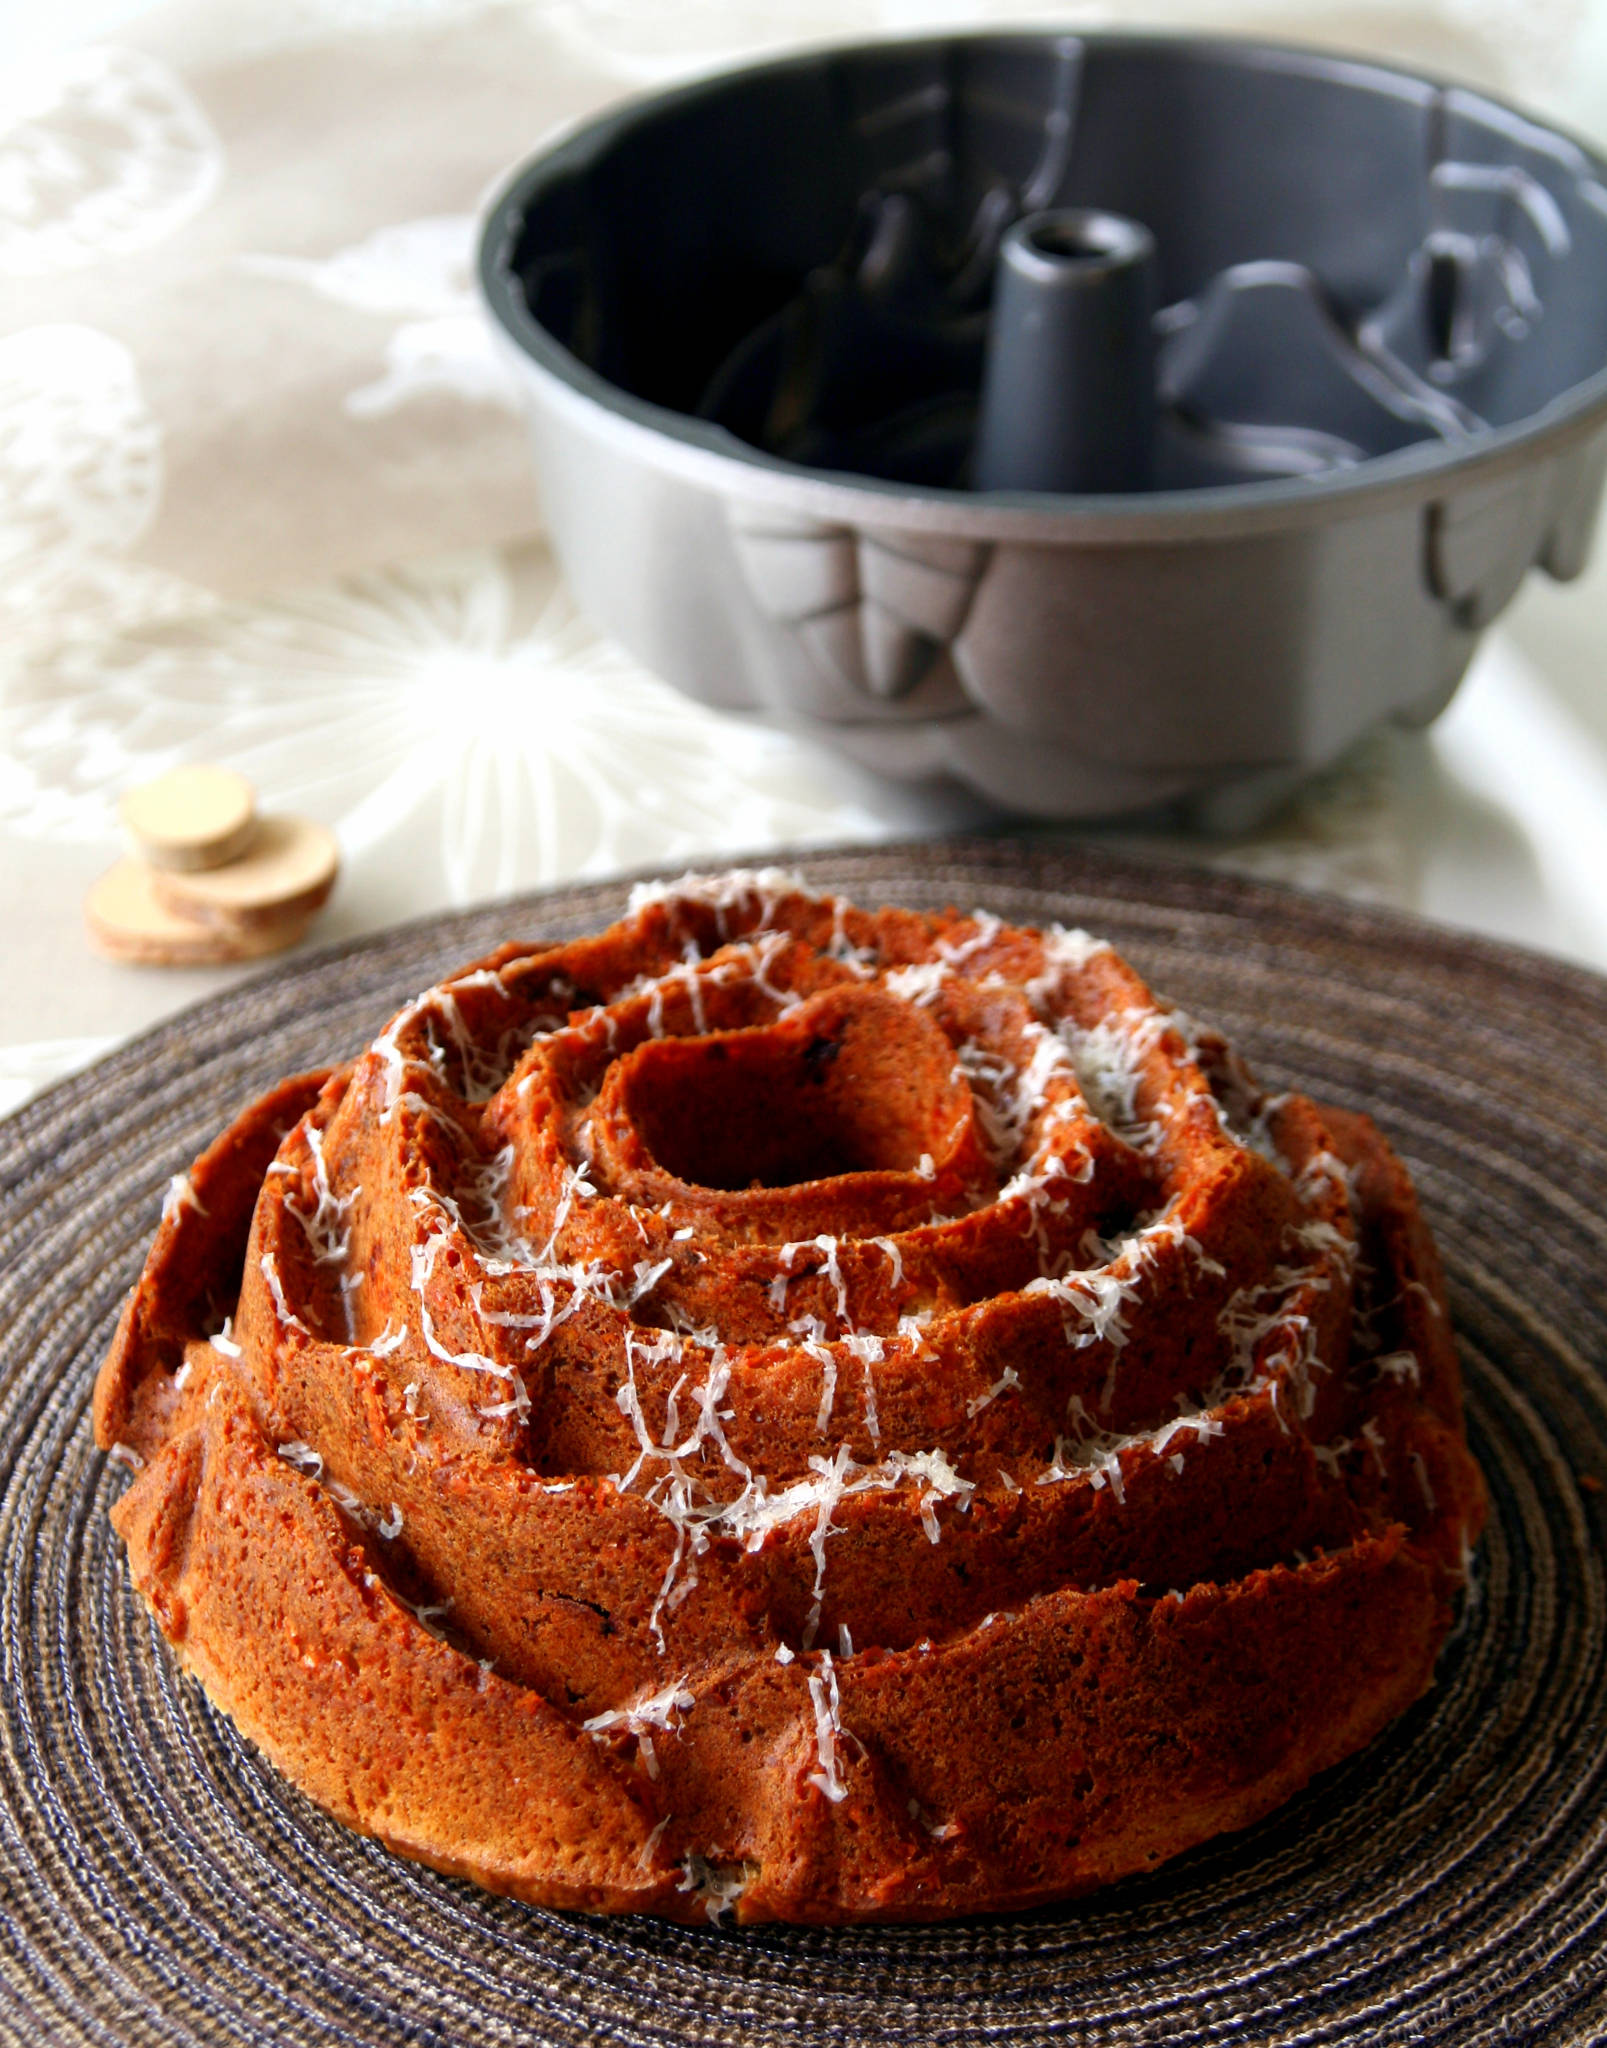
(160, 1884)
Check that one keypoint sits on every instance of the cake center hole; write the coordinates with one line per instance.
(855, 1082)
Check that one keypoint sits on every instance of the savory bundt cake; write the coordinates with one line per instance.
(831, 1415)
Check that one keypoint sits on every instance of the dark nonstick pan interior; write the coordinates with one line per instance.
(1336, 264)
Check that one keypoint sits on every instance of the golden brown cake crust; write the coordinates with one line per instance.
(777, 1408)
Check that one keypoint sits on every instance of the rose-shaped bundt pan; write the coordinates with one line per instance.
(781, 1409)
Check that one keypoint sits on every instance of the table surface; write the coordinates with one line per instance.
(267, 503)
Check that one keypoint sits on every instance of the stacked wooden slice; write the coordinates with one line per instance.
(211, 880)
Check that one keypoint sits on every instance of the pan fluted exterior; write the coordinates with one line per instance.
(814, 1413)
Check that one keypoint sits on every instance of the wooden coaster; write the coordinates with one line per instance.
(127, 922)
(289, 872)
(192, 817)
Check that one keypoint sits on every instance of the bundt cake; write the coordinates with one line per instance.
(786, 1410)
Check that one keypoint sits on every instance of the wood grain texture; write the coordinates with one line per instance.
(128, 918)
(194, 816)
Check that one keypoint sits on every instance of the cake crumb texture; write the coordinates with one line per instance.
(791, 1412)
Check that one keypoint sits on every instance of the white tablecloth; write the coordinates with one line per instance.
(264, 499)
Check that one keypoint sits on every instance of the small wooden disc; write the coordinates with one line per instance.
(127, 922)
(192, 817)
(289, 871)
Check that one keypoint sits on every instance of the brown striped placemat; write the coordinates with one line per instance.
(160, 1884)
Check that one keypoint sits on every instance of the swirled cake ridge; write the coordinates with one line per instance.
(795, 1411)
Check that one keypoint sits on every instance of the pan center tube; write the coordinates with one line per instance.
(1068, 389)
